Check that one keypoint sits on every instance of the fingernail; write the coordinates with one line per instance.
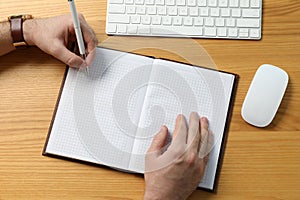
(83, 65)
(204, 119)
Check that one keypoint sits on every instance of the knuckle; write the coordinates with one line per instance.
(191, 158)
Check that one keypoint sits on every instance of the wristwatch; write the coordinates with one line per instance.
(16, 27)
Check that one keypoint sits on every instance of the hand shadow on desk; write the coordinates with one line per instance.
(31, 57)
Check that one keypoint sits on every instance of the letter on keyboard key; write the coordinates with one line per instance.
(118, 19)
(250, 23)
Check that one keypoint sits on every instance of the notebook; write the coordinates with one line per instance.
(109, 116)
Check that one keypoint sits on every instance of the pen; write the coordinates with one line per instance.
(77, 28)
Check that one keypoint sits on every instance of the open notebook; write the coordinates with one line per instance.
(110, 116)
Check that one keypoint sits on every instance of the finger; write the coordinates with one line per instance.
(180, 126)
(68, 57)
(159, 141)
(88, 34)
(206, 138)
(194, 132)
(91, 57)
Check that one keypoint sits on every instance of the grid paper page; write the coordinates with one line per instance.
(98, 114)
(176, 88)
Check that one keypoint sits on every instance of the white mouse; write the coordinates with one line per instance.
(264, 95)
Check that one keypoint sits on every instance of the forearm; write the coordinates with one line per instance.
(6, 42)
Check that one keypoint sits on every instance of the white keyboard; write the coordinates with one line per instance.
(229, 19)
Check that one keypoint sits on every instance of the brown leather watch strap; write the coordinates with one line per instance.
(16, 25)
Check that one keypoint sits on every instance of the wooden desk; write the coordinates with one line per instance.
(258, 164)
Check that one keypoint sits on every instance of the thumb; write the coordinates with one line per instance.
(159, 141)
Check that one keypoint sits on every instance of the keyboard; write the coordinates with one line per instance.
(226, 19)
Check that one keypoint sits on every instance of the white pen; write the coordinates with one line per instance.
(77, 28)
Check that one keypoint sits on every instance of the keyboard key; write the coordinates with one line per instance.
(254, 33)
(225, 12)
(223, 3)
(251, 13)
(232, 32)
(194, 11)
(255, 3)
(234, 3)
(235, 12)
(180, 2)
(166, 20)
(210, 31)
(116, 1)
(177, 30)
(172, 10)
(135, 19)
(170, 2)
(139, 2)
(212, 3)
(144, 30)
(204, 12)
(209, 21)
(188, 21)
(220, 22)
(202, 3)
(121, 28)
(129, 1)
(151, 10)
(215, 12)
(244, 33)
(116, 9)
(245, 3)
(191, 2)
(183, 11)
(118, 19)
(250, 23)
(132, 29)
(198, 21)
(149, 2)
(161, 10)
(146, 20)
(141, 10)
(156, 20)
(222, 32)
(177, 21)
(160, 2)
(130, 9)
(230, 22)
(111, 28)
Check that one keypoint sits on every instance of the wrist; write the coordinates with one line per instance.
(28, 31)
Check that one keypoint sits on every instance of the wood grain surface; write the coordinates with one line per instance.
(259, 163)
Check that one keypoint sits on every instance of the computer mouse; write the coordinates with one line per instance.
(264, 95)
